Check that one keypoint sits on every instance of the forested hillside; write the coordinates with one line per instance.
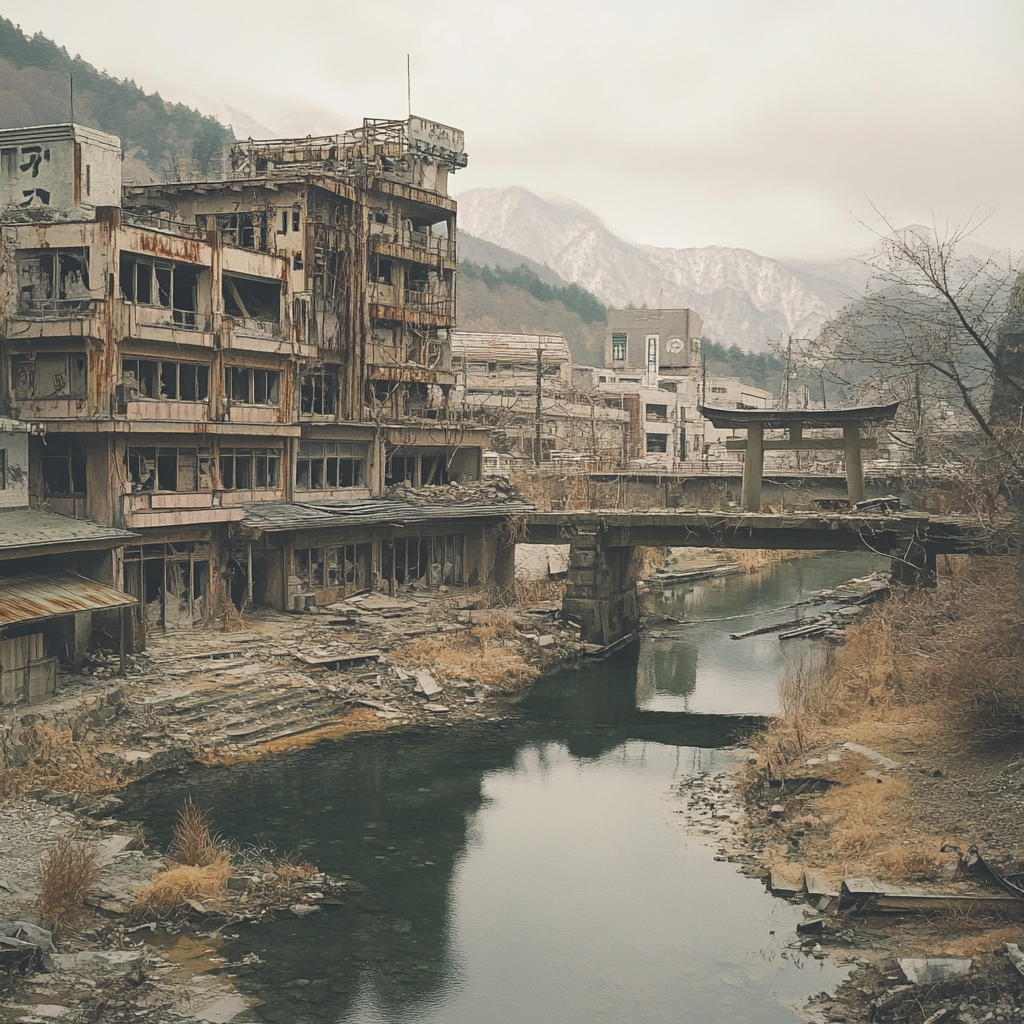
(158, 139)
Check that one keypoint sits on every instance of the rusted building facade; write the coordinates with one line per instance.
(186, 348)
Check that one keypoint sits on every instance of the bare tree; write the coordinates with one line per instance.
(927, 334)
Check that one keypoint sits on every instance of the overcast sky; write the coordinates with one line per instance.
(767, 124)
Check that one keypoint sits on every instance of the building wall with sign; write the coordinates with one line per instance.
(652, 340)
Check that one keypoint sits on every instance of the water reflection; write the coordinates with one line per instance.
(528, 869)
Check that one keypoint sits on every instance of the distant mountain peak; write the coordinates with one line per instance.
(742, 296)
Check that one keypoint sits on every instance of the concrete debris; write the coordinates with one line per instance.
(1015, 956)
(930, 970)
(872, 755)
(437, 709)
(426, 683)
(303, 909)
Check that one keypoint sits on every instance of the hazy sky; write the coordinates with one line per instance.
(768, 124)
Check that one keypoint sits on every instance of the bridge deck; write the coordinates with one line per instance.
(812, 531)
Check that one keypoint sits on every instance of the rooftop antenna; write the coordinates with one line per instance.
(71, 81)
(408, 82)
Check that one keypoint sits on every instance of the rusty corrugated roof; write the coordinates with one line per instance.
(24, 598)
(24, 529)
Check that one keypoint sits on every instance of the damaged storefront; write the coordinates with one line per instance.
(304, 555)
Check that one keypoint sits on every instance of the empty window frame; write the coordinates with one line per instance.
(246, 469)
(169, 469)
(658, 413)
(53, 279)
(242, 229)
(252, 298)
(619, 347)
(343, 566)
(149, 378)
(436, 560)
(164, 283)
(3, 469)
(247, 386)
(318, 393)
(64, 469)
(657, 443)
(325, 465)
(51, 375)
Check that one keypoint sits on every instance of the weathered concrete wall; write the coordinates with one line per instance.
(601, 594)
(14, 465)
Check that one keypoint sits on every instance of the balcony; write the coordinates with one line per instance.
(56, 309)
(256, 327)
(165, 224)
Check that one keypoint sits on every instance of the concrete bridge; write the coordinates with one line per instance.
(601, 593)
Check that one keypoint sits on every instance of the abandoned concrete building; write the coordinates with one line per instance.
(188, 349)
(497, 383)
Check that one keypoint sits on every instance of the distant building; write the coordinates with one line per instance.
(653, 341)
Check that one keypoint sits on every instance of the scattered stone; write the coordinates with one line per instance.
(303, 909)
(437, 709)
(929, 970)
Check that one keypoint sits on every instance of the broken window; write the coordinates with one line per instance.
(435, 560)
(53, 280)
(169, 582)
(325, 465)
(9, 162)
(51, 375)
(168, 469)
(243, 469)
(147, 378)
(381, 271)
(3, 469)
(254, 298)
(248, 386)
(345, 566)
(150, 282)
(618, 347)
(63, 465)
(657, 412)
(318, 393)
(236, 229)
(657, 443)
(400, 469)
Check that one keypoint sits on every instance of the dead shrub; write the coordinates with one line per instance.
(55, 760)
(193, 844)
(534, 592)
(461, 656)
(173, 888)
(68, 875)
(750, 560)
(290, 868)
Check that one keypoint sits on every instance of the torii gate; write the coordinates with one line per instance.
(756, 421)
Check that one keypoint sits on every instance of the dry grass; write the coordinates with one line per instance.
(924, 667)
(57, 761)
(471, 654)
(67, 875)
(534, 592)
(193, 844)
(174, 888)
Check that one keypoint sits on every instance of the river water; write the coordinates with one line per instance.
(533, 868)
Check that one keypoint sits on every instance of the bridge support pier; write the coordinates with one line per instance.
(601, 592)
(913, 565)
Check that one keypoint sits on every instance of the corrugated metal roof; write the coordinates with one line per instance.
(275, 516)
(24, 598)
(30, 528)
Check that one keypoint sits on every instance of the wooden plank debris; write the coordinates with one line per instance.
(1015, 956)
(870, 894)
(338, 657)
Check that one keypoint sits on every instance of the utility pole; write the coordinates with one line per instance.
(537, 414)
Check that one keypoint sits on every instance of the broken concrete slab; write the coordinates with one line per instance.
(930, 970)
(818, 885)
(426, 683)
(437, 709)
(545, 641)
(872, 755)
(1015, 956)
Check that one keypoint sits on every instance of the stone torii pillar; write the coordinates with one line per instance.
(756, 421)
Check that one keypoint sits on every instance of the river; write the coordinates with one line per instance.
(533, 868)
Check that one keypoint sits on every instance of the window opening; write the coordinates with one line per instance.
(64, 469)
(619, 347)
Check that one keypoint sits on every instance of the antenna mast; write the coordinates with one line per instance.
(71, 81)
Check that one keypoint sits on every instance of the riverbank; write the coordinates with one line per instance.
(893, 760)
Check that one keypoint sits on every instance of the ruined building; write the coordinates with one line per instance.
(191, 351)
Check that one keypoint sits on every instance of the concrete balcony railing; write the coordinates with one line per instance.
(56, 309)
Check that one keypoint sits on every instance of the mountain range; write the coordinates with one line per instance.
(744, 298)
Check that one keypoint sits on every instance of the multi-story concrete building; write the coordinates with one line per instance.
(652, 341)
(188, 348)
